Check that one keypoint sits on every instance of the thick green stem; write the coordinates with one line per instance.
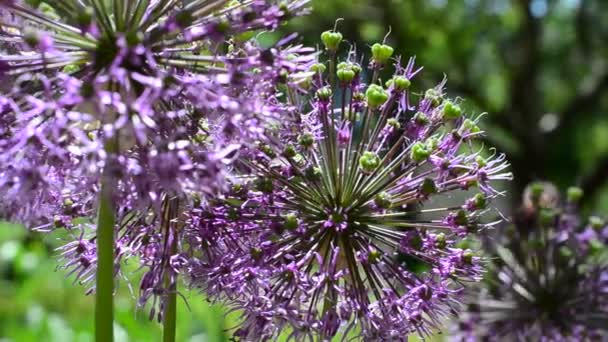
(104, 306)
(169, 317)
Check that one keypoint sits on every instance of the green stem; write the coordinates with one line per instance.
(169, 317)
(104, 306)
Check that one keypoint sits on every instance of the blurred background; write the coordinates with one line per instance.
(539, 68)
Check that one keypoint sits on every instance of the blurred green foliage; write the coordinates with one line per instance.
(39, 303)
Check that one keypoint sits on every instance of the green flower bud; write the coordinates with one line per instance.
(394, 123)
(566, 252)
(57, 222)
(401, 83)
(284, 7)
(222, 27)
(376, 96)
(267, 150)
(428, 187)
(440, 240)
(381, 53)
(369, 161)
(256, 253)
(306, 140)
(236, 187)
(134, 38)
(574, 194)
(233, 214)
(479, 201)
(337, 218)
(264, 185)
(290, 221)
(201, 138)
(469, 126)
(196, 199)
(416, 242)
(70, 68)
(536, 191)
(597, 246)
(318, 68)
(432, 143)
(31, 36)
(461, 218)
(184, 18)
(421, 119)
(434, 96)
(467, 256)
(471, 184)
(289, 151)
(547, 216)
(331, 40)
(451, 111)
(305, 83)
(596, 222)
(345, 75)
(299, 159)
(283, 76)
(312, 173)
(383, 200)
(324, 93)
(85, 16)
(68, 203)
(374, 256)
(419, 152)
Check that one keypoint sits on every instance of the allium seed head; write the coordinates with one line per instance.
(547, 278)
(351, 233)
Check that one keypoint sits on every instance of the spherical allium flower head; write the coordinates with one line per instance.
(334, 224)
(548, 277)
(136, 84)
(149, 100)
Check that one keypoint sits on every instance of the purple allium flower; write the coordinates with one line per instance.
(148, 79)
(333, 223)
(548, 277)
(140, 96)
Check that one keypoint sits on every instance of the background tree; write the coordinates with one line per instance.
(538, 67)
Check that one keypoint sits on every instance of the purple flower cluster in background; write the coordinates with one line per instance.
(547, 277)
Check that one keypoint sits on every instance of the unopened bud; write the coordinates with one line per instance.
(369, 161)
(381, 53)
(331, 40)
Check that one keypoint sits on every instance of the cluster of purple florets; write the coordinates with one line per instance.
(315, 234)
(154, 106)
(547, 278)
(282, 181)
